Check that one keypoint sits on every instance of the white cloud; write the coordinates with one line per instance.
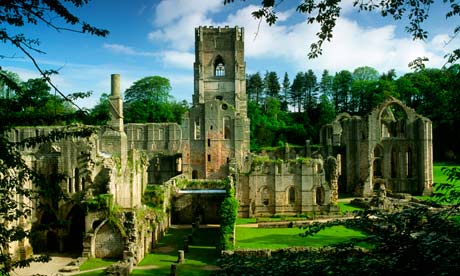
(175, 21)
(126, 50)
(171, 11)
(178, 59)
(352, 45)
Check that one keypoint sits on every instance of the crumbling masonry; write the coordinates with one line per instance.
(114, 167)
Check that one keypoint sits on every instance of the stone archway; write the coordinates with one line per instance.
(76, 230)
(46, 240)
(109, 242)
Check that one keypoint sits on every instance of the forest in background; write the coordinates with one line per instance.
(282, 109)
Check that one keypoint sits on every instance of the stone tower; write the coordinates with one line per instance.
(217, 127)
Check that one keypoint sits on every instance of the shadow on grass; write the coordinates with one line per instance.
(275, 238)
(202, 253)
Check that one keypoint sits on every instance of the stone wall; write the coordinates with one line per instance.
(108, 242)
(391, 145)
(289, 187)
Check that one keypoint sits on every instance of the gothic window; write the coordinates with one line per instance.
(409, 163)
(378, 156)
(219, 67)
(265, 196)
(227, 128)
(393, 121)
(291, 195)
(69, 184)
(197, 129)
(394, 163)
(77, 180)
(194, 174)
(320, 195)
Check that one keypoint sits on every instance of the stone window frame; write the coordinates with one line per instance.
(219, 66)
(291, 195)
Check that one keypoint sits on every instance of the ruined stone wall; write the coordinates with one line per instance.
(284, 187)
(391, 145)
(164, 138)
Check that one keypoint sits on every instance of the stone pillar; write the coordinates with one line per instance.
(114, 139)
(116, 104)
(180, 256)
(179, 164)
(307, 148)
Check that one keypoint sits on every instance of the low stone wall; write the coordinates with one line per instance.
(262, 252)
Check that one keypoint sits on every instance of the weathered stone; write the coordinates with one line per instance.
(180, 256)
(389, 149)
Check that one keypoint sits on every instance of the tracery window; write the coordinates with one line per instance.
(219, 67)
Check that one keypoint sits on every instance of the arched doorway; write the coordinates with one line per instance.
(109, 242)
(45, 238)
(76, 230)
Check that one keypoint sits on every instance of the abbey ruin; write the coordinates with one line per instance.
(392, 146)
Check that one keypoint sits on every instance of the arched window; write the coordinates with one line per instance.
(291, 195)
(378, 156)
(320, 195)
(409, 163)
(394, 163)
(219, 67)
(227, 127)
(77, 180)
(265, 196)
(194, 174)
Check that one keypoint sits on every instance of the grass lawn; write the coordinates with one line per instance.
(274, 238)
(96, 263)
(438, 176)
(198, 261)
(346, 207)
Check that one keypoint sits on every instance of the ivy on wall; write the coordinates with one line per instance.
(228, 213)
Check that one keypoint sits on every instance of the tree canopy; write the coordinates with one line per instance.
(34, 97)
(149, 100)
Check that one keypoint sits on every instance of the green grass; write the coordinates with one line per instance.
(438, 176)
(92, 273)
(275, 238)
(201, 253)
(245, 221)
(93, 263)
(346, 207)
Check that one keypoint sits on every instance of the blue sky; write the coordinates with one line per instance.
(157, 38)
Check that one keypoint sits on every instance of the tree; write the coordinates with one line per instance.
(311, 91)
(326, 12)
(14, 172)
(297, 90)
(255, 87)
(148, 100)
(272, 84)
(285, 88)
(341, 87)
(363, 90)
(154, 88)
(100, 113)
(325, 85)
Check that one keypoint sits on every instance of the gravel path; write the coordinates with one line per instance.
(50, 268)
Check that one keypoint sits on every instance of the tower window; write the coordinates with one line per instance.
(209, 157)
(219, 67)
(227, 132)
